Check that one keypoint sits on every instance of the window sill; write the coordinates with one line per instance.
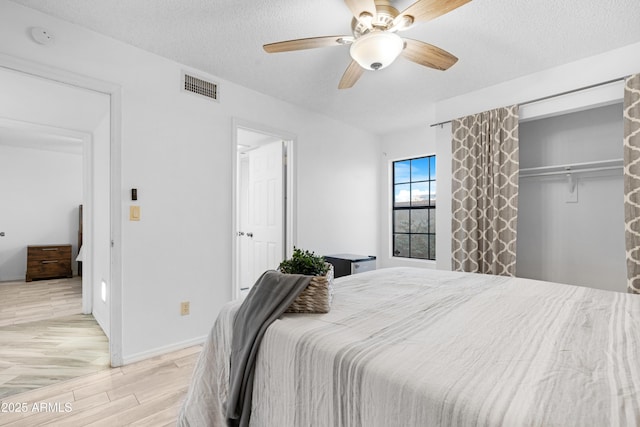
(421, 260)
(410, 262)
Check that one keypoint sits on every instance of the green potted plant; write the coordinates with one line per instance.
(316, 298)
(304, 262)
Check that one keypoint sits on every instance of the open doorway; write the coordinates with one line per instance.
(44, 115)
(263, 209)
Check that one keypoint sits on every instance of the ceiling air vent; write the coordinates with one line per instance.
(199, 86)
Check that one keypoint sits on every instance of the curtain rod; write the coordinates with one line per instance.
(544, 98)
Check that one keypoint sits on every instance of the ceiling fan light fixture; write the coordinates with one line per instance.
(376, 49)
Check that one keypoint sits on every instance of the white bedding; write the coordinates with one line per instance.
(416, 347)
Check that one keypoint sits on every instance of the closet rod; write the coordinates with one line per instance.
(570, 171)
(573, 166)
(544, 98)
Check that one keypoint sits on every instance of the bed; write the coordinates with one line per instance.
(419, 347)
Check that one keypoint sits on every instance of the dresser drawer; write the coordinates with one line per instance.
(51, 252)
(48, 262)
(48, 269)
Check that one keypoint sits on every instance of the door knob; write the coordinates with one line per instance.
(240, 233)
(249, 234)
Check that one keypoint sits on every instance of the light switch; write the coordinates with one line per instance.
(134, 213)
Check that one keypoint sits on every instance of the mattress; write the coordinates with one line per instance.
(420, 347)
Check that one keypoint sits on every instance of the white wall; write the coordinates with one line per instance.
(337, 190)
(40, 192)
(578, 243)
(414, 142)
(177, 150)
(596, 69)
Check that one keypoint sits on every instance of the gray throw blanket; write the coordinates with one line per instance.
(271, 295)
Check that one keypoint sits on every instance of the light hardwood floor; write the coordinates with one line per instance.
(36, 354)
(44, 338)
(147, 393)
(22, 302)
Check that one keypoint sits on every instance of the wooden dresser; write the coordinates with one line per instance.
(48, 262)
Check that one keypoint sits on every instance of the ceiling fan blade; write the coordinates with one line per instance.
(309, 43)
(426, 10)
(351, 75)
(428, 55)
(357, 7)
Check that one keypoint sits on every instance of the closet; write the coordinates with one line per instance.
(571, 212)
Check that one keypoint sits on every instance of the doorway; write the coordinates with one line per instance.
(101, 176)
(263, 209)
(53, 183)
(60, 194)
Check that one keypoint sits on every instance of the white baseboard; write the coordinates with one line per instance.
(137, 357)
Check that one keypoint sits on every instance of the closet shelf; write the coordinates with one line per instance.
(596, 166)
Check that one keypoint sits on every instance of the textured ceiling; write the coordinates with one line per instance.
(496, 40)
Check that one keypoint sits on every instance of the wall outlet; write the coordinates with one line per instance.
(184, 308)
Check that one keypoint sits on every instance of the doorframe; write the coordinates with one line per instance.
(114, 91)
(290, 211)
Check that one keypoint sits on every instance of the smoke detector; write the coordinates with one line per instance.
(42, 36)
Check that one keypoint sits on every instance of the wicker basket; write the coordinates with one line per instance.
(316, 298)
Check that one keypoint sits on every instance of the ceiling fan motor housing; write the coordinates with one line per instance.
(383, 19)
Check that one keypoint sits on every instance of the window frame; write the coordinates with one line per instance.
(429, 207)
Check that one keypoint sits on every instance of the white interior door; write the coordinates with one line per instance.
(265, 225)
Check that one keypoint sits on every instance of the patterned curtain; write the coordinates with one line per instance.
(485, 192)
(632, 180)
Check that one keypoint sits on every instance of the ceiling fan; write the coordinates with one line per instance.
(375, 44)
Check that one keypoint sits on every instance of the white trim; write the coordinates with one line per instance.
(40, 128)
(114, 92)
(115, 287)
(87, 224)
(290, 196)
(158, 351)
(56, 74)
(586, 99)
(291, 229)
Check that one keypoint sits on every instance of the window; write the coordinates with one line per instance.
(414, 208)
